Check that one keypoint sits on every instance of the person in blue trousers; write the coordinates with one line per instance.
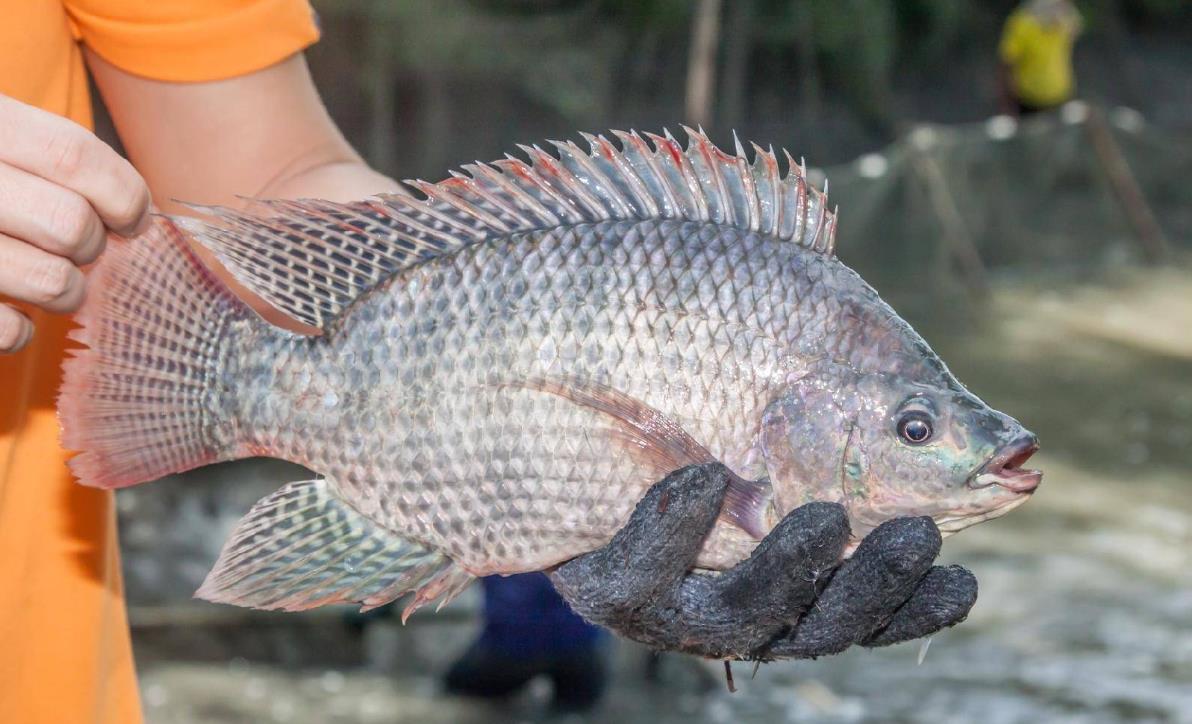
(528, 631)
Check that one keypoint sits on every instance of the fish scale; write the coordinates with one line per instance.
(505, 366)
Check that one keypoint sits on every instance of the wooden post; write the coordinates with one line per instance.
(701, 62)
(810, 96)
(734, 79)
(956, 237)
(382, 105)
(1125, 187)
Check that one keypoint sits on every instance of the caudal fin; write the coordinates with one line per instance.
(137, 402)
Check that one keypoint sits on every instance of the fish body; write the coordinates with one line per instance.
(506, 366)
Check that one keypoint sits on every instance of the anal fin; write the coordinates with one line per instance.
(302, 547)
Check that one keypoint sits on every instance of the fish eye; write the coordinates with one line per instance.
(915, 428)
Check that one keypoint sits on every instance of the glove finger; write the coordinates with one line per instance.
(866, 590)
(648, 558)
(944, 598)
(734, 614)
(783, 575)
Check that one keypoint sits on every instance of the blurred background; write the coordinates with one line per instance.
(1040, 240)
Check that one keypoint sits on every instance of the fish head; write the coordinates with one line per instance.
(886, 445)
(939, 451)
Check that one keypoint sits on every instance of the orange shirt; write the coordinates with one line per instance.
(63, 631)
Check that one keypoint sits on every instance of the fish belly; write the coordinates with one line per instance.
(417, 408)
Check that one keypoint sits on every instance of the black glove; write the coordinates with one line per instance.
(792, 598)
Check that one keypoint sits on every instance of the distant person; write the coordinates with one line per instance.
(1035, 54)
(529, 631)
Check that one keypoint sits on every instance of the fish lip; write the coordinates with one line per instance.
(1005, 469)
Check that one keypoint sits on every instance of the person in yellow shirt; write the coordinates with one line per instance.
(1036, 56)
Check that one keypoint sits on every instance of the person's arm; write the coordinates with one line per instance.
(261, 135)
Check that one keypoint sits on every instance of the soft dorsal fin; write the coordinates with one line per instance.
(312, 259)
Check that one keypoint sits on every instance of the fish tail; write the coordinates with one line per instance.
(143, 399)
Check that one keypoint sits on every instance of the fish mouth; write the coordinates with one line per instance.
(1005, 469)
(949, 524)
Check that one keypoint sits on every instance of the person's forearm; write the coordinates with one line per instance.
(262, 135)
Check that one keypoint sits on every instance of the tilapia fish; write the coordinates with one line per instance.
(506, 363)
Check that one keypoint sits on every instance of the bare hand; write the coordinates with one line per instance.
(61, 191)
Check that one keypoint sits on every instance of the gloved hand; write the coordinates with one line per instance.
(792, 598)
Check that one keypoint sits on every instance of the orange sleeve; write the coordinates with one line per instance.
(193, 40)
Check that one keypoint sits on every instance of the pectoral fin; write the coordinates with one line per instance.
(658, 444)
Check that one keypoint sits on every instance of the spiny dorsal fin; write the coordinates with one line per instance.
(312, 258)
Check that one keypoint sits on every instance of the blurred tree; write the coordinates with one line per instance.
(701, 62)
